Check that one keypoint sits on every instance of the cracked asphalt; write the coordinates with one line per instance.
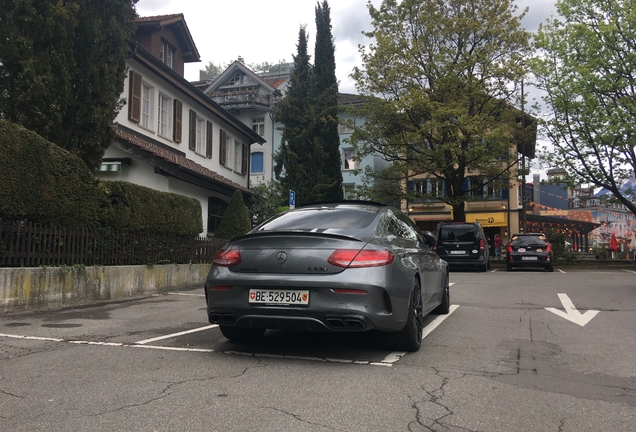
(499, 362)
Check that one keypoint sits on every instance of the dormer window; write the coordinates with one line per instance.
(166, 54)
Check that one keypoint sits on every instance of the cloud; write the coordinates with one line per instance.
(538, 12)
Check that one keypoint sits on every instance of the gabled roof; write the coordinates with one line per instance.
(180, 28)
(172, 78)
(230, 70)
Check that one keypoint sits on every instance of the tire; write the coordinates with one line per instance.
(242, 334)
(509, 268)
(410, 337)
(484, 268)
(444, 307)
(550, 268)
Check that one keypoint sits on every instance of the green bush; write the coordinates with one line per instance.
(557, 239)
(134, 208)
(42, 182)
(235, 221)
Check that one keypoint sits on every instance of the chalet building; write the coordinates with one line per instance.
(252, 99)
(170, 136)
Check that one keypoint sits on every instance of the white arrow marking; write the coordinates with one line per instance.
(571, 313)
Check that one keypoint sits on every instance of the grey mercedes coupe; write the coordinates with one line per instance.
(348, 266)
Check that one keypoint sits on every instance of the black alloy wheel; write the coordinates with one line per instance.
(410, 337)
(444, 307)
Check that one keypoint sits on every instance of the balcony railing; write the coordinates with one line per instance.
(238, 100)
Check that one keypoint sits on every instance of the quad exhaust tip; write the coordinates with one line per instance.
(344, 324)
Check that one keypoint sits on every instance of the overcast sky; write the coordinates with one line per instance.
(267, 30)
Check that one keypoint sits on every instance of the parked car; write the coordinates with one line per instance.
(348, 266)
(529, 250)
(463, 245)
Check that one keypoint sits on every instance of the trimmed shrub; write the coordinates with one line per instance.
(42, 182)
(133, 208)
(236, 220)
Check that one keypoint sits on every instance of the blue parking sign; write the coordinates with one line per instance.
(292, 199)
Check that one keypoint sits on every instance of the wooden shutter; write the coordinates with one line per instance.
(246, 154)
(208, 140)
(223, 148)
(192, 145)
(178, 115)
(134, 97)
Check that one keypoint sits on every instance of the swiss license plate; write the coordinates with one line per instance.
(531, 258)
(458, 252)
(279, 297)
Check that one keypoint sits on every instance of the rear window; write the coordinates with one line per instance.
(321, 219)
(529, 240)
(458, 233)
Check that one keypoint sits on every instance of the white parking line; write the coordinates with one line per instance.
(186, 294)
(109, 344)
(31, 338)
(561, 270)
(388, 360)
(397, 355)
(168, 336)
(630, 271)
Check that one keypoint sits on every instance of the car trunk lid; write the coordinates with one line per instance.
(286, 253)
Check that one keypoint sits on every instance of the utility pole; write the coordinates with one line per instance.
(523, 161)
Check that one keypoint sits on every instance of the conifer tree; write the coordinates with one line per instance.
(294, 158)
(324, 98)
(308, 160)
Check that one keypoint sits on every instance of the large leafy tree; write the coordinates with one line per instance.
(586, 67)
(62, 69)
(441, 80)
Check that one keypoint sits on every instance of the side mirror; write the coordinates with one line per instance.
(430, 239)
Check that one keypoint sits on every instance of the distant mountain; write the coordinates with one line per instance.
(627, 184)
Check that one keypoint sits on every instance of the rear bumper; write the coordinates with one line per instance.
(518, 261)
(382, 307)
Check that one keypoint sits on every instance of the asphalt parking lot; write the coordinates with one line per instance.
(550, 350)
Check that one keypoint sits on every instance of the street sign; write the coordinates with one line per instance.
(292, 199)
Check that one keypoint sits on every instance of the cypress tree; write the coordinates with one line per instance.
(294, 159)
(308, 160)
(324, 99)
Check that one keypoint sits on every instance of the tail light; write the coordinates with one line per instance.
(509, 247)
(548, 247)
(353, 258)
(227, 257)
(482, 244)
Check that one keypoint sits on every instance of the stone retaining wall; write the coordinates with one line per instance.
(51, 287)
